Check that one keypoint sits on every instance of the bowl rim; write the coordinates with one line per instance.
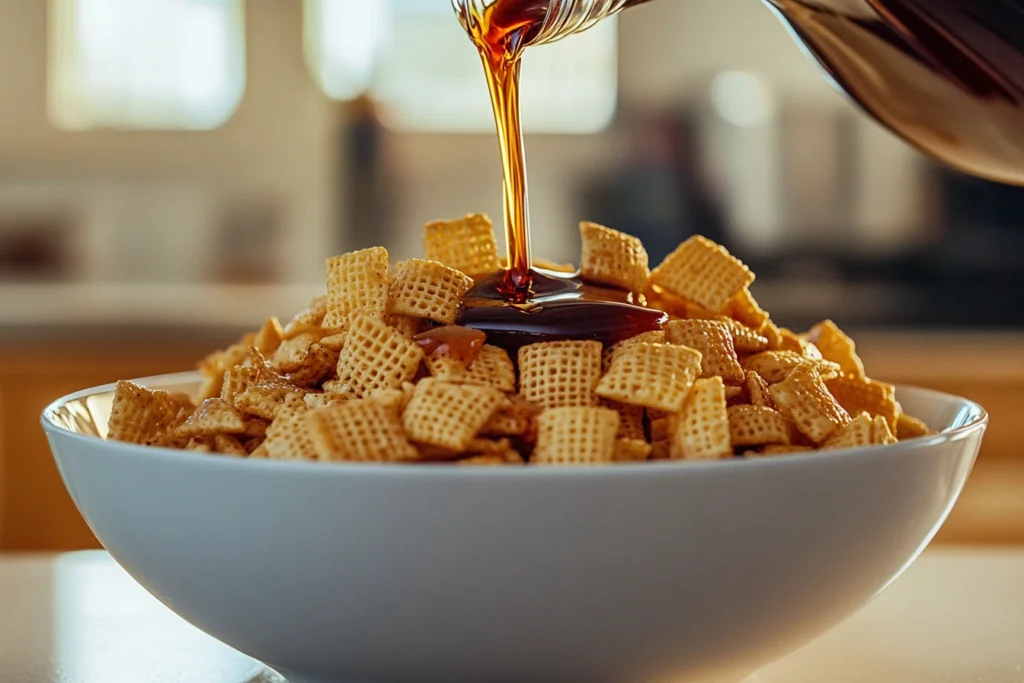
(978, 422)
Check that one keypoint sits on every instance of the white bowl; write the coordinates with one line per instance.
(402, 574)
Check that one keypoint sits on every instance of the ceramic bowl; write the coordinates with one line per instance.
(413, 574)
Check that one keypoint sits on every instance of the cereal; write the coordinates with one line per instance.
(805, 400)
(375, 356)
(381, 369)
(560, 374)
(466, 244)
(576, 436)
(430, 290)
(704, 273)
(362, 430)
(448, 415)
(613, 258)
(357, 283)
(714, 342)
(837, 347)
(702, 431)
(757, 426)
(651, 375)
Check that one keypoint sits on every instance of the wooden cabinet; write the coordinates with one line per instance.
(37, 514)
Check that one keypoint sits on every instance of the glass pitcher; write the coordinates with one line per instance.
(945, 75)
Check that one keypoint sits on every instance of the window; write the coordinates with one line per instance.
(414, 56)
(154, 64)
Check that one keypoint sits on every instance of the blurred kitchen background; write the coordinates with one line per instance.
(172, 171)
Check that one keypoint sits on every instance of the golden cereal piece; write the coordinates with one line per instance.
(663, 427)
(805, 400)
(491, 368)
(837, 347)
(357, 284)
(757, 391)
(858, 395)
(858, 433)
(908, 427)
(255, 427)
(652, 337)
(509, 457)
(757, 426)
(631, 450)
(448, 415)
(775, 366)
(290, 355)
(316, 400)
(213, 416)
(702, 272)
(881, 434)
(744, 339)
(361, 430)
(613, 258)
(200, 444)
(334, 342)
(140, 415)
(702, 430)
(226, 444)
(394, 400)
(265, 401)
(319, 364)
(466, 244)
(657, 376)
(631, 419)
(446, 368)
(512, 418)
(580, 435)
(560, 374)
(406, 324)
(714, 342)
(773, 334)
(236, 381)
(375, 356)
(269, 337)
(289, 438)
(661, 450)
(744, 309)
(791, 341)
(734, 394)
(309, 318)
(430, 290)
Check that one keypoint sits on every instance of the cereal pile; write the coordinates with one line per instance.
(376, 371)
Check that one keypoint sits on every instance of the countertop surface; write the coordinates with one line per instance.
(956, 616)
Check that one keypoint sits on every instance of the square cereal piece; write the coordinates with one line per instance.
(880, 432)
(466, 244)
(140, 415)
(269, 337)
(835, 346)
(856, 434)
(226, 444)
(375, 356)
(858, 395)
(743, 308)
(631, 419)
(576, 436)
(446, 368)
(805, 400)
(213, 416)
(265, 401)
(714, 342)
(701, 432)
(236, 381)
(613, 258)
(757, 426)
(652, 337)
(448, 415)
(492, 368)
(357, 283)
(704, 273)
(775, 366)
(362, 430)
(773, 334)
(734, 394)
(757, 391)
(657, 376)
(334, 342)
(631, 450)
(430, 290)
(744, 339)
(319, 364)
(406, 324)
(289, 438)
(560, 374)
(909, 427)
(514, 417)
